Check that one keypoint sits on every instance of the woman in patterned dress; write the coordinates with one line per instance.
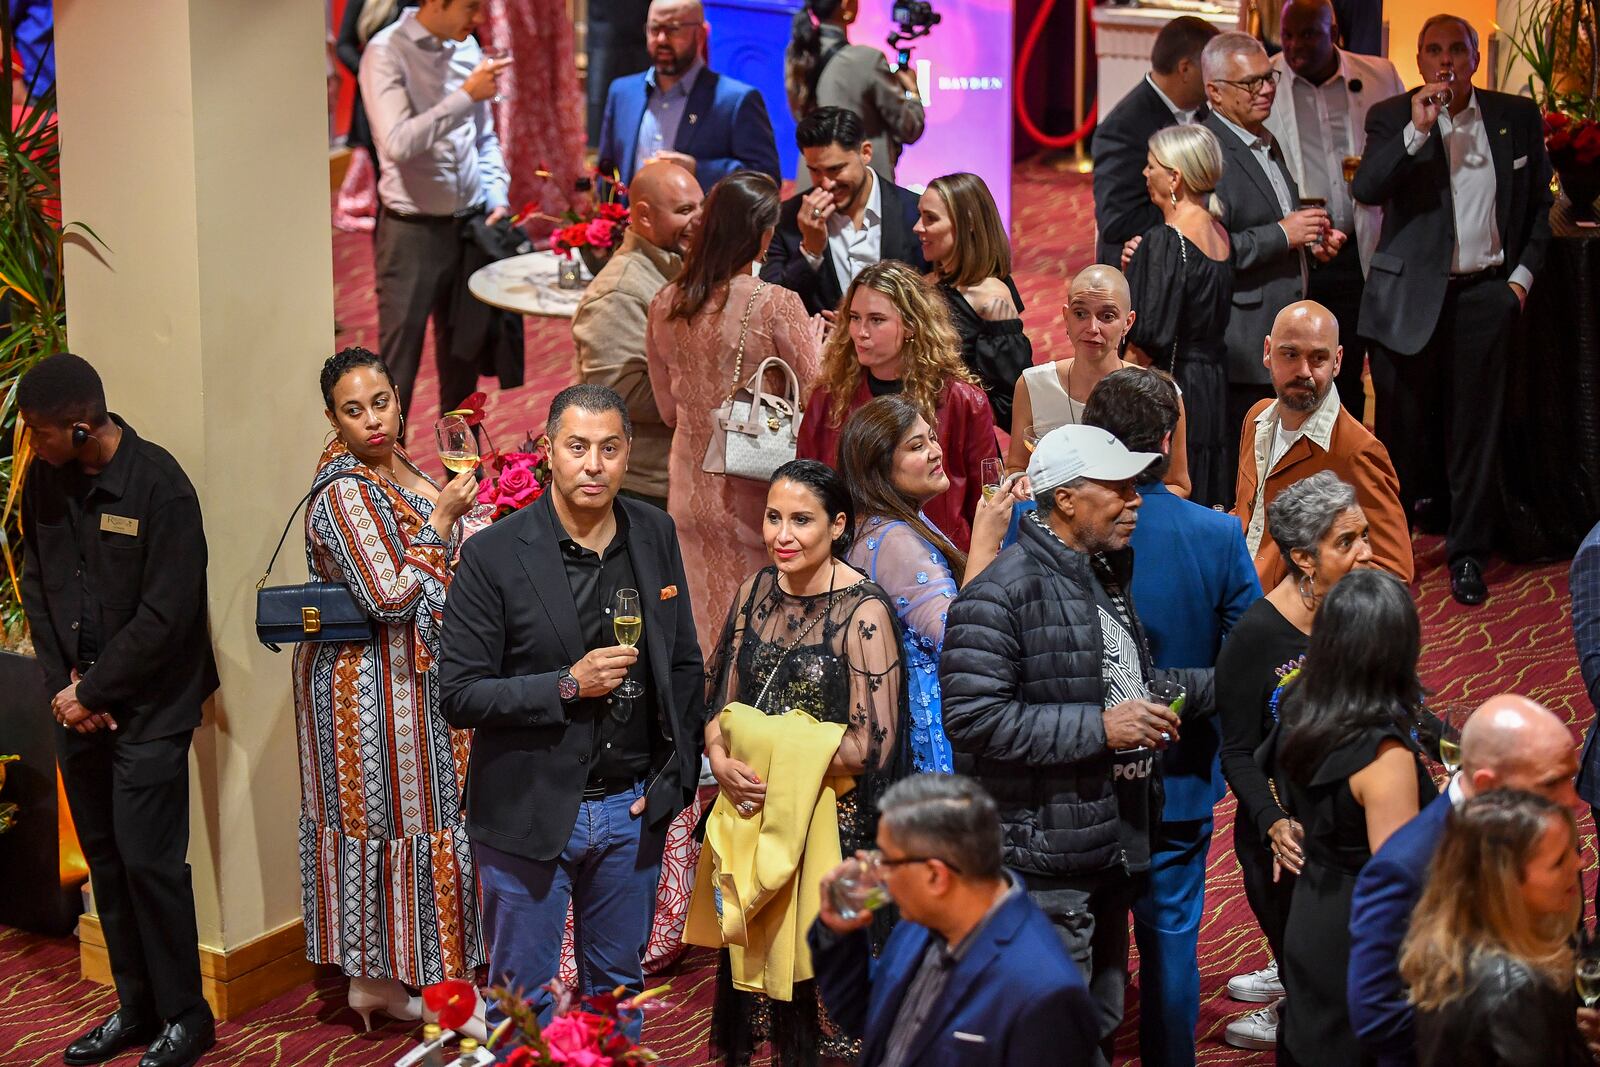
(894, 465)
(386, 869)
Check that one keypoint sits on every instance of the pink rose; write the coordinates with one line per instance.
(601, 233)
(486, 491)
(517, 486)
(572, 1039)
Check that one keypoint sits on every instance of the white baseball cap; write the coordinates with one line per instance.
(1072, 451)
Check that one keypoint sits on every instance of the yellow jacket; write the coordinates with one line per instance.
(757, 888)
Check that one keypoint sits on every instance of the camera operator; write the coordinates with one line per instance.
(823, 69)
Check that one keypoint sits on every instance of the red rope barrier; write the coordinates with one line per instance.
(1045, 140)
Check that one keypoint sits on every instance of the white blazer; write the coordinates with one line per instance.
(1379, 81)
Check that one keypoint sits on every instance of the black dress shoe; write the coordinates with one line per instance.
(182, 1042)
(1466, 582)
(117, 1034)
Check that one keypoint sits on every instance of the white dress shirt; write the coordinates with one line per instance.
(852, 248)
(1272, 444)
(1185, 116)
(1322, 119)
(437, 147)
(1473, 186)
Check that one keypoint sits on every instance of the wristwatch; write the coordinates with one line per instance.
(566, 686)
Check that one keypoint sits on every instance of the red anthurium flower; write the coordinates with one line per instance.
(476, 403)
(452, 1000)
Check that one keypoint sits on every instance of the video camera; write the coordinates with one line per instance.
(913, 19)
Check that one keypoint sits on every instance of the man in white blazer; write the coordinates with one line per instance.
(1318, 120)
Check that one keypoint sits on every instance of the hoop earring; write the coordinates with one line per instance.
(1308, 588)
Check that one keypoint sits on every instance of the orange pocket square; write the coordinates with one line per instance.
(669, 592)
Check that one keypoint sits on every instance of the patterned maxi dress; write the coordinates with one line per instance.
(691, 370)
(387, 882)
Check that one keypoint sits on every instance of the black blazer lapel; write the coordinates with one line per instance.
(1243, 160)
(698, 107)
(898, 240)
(541, 562)
(1497, 127)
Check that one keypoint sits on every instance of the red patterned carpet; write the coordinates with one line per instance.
(1520, 641)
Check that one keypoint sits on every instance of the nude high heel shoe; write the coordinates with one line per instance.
(386, 995)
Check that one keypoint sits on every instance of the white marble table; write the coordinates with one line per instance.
(525, 284)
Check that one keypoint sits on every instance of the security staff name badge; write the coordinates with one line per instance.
(118, 525)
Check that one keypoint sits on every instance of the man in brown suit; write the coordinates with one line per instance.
(1305, 430)
(609, 326)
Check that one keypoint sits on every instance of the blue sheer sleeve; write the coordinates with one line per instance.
(913, 573)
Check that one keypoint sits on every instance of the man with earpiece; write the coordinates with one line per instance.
(114, 587)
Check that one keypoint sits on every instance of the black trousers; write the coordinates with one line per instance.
(1440, 410)
(1241, 398)
(1337, 285)
(1090, 915)
(418, 263)
(1269, 900)
(130, 804)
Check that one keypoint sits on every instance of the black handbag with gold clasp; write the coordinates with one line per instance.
(315, 611)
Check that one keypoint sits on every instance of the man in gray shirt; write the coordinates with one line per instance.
(427, 90)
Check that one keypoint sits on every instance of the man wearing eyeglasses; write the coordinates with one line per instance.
(681, 111)
(1271, 232)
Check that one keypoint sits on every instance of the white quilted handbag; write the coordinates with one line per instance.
(754, 432)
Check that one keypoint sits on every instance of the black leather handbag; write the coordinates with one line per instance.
(315, 611)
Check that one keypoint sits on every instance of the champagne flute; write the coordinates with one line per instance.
(993, 472)
(1444, 96)
(1587, 975)
(458, 448)
(496, 53)
(627, 620)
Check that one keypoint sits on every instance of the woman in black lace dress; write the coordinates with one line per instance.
(808, 632)
(1181, 285)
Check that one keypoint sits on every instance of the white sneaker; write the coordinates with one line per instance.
(1258, 1030)
(1257, 987)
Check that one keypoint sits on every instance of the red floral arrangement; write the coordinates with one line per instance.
(519, 476)
(1571, 140)
(580, 1033)
(590, 224)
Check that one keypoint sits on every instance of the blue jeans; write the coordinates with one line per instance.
(1166, 926)
(608, 872)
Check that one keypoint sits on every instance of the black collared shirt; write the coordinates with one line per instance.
(622, 734)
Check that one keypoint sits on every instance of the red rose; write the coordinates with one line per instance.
(1555, 120)
(576, 235)
(522, 1056)
(614, 212)
(1559, 141)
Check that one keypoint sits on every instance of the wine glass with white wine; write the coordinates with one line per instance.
(627, 619)
(1587, 973)
(1452, 720)
(993, 472)
(458, 448)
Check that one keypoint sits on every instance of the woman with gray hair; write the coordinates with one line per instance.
(1322, 533)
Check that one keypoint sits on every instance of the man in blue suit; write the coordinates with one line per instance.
(974, 975)
(1193, 580)
(1584, 582)
(683, 112)
(1510, 742)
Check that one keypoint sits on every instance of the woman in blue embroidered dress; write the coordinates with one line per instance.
(891, 459)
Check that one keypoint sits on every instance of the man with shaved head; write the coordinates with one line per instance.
(1305, 430)
(1510, 742)
(1318, 119)
(608, 329)
(682, 112)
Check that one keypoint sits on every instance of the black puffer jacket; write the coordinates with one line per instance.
(1023, 702)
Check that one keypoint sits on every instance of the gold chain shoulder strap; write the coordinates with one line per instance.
(744, 329)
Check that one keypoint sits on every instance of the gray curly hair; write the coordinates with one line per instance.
(1301, 516)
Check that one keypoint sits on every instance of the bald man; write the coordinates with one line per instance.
(1318, 120)
(608, 329)
(1510, 742)
(1305, 430)
(681, 111)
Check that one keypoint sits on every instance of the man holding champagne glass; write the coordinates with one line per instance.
(586, 692)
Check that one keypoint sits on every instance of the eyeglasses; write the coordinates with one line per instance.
(1256, 84)
(878, 859)
(666, 29)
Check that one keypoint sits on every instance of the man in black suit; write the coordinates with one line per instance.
(1270, 233)
(850, 218)
(571, 785)
(1172, 93)
(1465, 191)
(114, 586)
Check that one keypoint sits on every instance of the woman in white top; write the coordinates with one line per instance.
(1054, 394)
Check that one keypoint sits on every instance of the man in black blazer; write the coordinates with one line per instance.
(1465, 191)
(850, 218)
(1173, 92)
(571, 785)
(1270, 233)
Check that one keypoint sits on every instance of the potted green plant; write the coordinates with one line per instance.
(1559, 42)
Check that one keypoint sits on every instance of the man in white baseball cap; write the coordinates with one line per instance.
(1045, 669)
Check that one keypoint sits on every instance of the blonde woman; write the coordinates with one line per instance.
(1180, 286)
(1488, 959)
(894, 336)
(962, 236)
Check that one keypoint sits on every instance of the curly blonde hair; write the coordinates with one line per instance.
(930, 355)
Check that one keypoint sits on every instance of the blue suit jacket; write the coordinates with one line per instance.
(1016, 999)
(1584, 582)
(725, 128)
(1387, 891)
(1192, 579)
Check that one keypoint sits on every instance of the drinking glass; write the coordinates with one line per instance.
(1452, 718)
(860, 889)
(1444, 96)
(458, 448)
(1030, 437)
(1587, 975)
(496, 52)
(993, 472)
(627, 620)
(1350, 164)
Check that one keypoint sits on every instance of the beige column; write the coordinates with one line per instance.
(194, 142)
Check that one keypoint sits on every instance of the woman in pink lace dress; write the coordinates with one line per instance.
(692, 344)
